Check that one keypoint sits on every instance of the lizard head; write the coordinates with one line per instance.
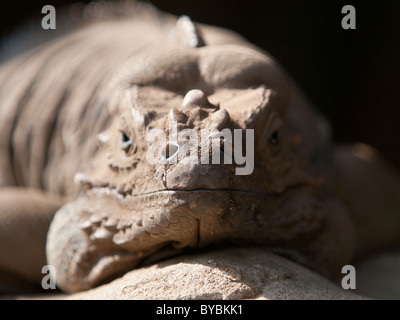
(205, 145)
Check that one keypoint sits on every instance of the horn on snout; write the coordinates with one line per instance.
(186, 33)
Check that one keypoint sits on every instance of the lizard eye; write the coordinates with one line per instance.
(125, 142)
(274, 142)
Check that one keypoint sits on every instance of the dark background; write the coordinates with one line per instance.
(352, 76)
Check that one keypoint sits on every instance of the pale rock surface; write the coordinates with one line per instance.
(239, 273)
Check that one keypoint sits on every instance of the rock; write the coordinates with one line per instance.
(236, 273)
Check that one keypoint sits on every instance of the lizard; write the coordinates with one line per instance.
(75, 117)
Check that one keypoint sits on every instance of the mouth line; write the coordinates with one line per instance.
(114, 191)
(191, 191)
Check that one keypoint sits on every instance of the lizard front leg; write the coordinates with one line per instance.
(370, 187)
(25, 216)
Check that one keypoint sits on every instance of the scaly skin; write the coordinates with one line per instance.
(130, 210)
(114, 82)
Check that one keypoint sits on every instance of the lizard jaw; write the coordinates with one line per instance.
(116, 233)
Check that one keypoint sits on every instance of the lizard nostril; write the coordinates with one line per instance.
(170, 149)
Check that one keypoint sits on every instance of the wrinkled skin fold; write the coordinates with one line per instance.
(103, 246)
